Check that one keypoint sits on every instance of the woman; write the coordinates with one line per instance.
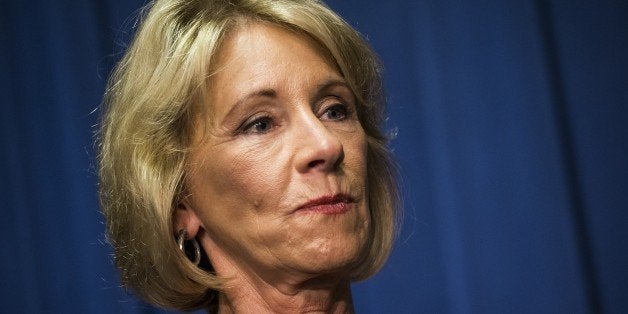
(252, 128)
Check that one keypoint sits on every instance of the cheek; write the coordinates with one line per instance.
(234, 182)
(356, 147)
(230, 184)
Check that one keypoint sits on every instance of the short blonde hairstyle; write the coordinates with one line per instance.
(147, 125)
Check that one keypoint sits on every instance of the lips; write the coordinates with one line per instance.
(329, 205)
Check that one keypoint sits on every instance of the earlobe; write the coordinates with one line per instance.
(185, 218)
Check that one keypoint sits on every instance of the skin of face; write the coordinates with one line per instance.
(280, 130)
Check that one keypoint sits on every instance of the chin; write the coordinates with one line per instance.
(334, 258)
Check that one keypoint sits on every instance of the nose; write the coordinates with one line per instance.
(317, 147)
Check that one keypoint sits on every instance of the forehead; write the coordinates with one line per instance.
(247, 34)
(261, 53)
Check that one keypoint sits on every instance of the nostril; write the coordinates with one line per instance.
(315, 163)
(340, 158)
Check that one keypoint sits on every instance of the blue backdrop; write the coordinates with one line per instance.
(512, 123)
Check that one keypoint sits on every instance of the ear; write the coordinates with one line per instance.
(184, 217)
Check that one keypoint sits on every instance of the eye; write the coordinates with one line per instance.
(336, 112)
(258, 126)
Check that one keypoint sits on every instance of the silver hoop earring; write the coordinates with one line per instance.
(181, 238)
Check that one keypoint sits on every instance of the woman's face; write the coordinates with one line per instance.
(278, 180)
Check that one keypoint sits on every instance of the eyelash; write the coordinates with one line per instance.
(246, 127)
(346, 111)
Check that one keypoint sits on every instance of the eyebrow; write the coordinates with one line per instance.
(267, 92)
(330, 83)
(271, 93)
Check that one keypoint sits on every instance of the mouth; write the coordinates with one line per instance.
(328, 205)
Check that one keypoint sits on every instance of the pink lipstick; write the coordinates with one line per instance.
(329, 205)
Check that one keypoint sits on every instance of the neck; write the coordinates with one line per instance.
(247, 291)
(321, 295)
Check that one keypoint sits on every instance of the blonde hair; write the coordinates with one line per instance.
(147, 125)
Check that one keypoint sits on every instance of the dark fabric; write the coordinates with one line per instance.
(511, 121)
